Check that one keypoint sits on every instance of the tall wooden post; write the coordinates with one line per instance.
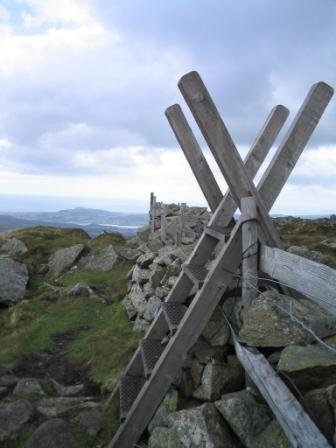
(250, 252)
(151, 208)
(180, 225)
(153, 213)
(163, 224)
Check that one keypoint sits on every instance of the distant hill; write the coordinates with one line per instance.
(93, 221)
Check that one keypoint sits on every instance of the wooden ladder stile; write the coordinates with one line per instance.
(159, 373)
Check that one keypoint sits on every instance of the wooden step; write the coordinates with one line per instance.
(129, 388)
(151, 350)
(220, 233)
(173, 312)
(196, 273)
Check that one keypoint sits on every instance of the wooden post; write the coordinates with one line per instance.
(163, 224)
(153, 213)
(180, 225)
(250, 252)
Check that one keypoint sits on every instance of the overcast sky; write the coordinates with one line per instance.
(84, 85)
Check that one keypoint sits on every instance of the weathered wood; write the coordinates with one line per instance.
(163, 228)
(297, 425)
(153, 213)
(180, 225)
(250, 252)
(194, 156)
(223, 149)
(315, 280)
(202, 306)
(151, 208)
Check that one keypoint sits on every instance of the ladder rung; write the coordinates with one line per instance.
(129, 388)
(220, 233)
(196, 273)
(174, 313)
(151, 350)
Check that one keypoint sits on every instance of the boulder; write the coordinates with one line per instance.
(161, 291)
(90, 420)
(129, 254)
(28, 386)
(246, 416)
(67, 391)
(140, 276)
(272, 436)
(65, 258)
(140, 324)
(148, 290)
(13, 281)
(13, 416)
(129, 307)
(137, 299)
(304, 251)
(278, 329)
(143, 233)
(168, 405)
(145, 260)
(53, 433)
(217, 331)
(202, 427)
(14, 246)
(8, 380)
(218, 379)
(156, 275)
(162, 437)
(134, 242)
(152, 308)
(196, 371)
(53, 407)
(100, 261)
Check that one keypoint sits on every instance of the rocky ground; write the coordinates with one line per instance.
(73, 309)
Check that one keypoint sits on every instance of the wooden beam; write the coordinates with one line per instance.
(194, 155)
(153, 213)
(163, 224)
(249, 252)
(297, 425)
(315, 280)
(223, 149)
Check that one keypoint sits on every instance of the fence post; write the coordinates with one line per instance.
(153, 213)
(250, 252)
(151, 208)
(163, 224)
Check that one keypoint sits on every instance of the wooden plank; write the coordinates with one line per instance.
(223, 149)
(249, 252)
(153, 213)
(297, 425)
(194, 156)
(314, 280)
(163, 224)
(226, 263)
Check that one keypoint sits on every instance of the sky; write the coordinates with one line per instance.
(84, 85)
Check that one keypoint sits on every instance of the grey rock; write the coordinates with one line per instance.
(157, 275)
(129, 307)
(53, 407)
(137, 299)
(13, 416)
(3, 391)
(14, 246)
(28, 386)
(133, 242)
(218, 379)
(67, 391)
(201, 427)
(328, 243)
(217, 331)
(171, 282)
(140, 276)
(203, 351)
(161, 291)
(277, 329)
(148, 290)
(130, 254)
(152, 308)
(272, 436)
(154, 242)
(140, 324)
(162, 437)
(304, 251)
(65, 258)
(186, 384)
(196, 371)
(100, 261)
(143, 233)
(52, 293)
(145, 260)
(168, 405)
(246, 416)
(8, 380)
(53, 433)
(80, 289)
(90, 420)
(13, 281)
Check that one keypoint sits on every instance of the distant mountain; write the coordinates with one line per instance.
(85, 216)
(93, 221)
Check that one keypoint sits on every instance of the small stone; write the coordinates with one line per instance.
(157, 275)
(161, 291)
(140, 276)
(67, 391)
(53, 433)
(13, 416)
(91, 420)
(80, 289)
(148, 290)
(140, 324)
(28, 386)
(145, 260)
(53, 407)
(129, 254)
(203, 351)
(137, 298)
(152, 308)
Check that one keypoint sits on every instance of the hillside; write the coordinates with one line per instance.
(65, 342)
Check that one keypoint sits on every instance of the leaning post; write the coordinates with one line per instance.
(250, 252)
(153, 214)
(151, 209)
